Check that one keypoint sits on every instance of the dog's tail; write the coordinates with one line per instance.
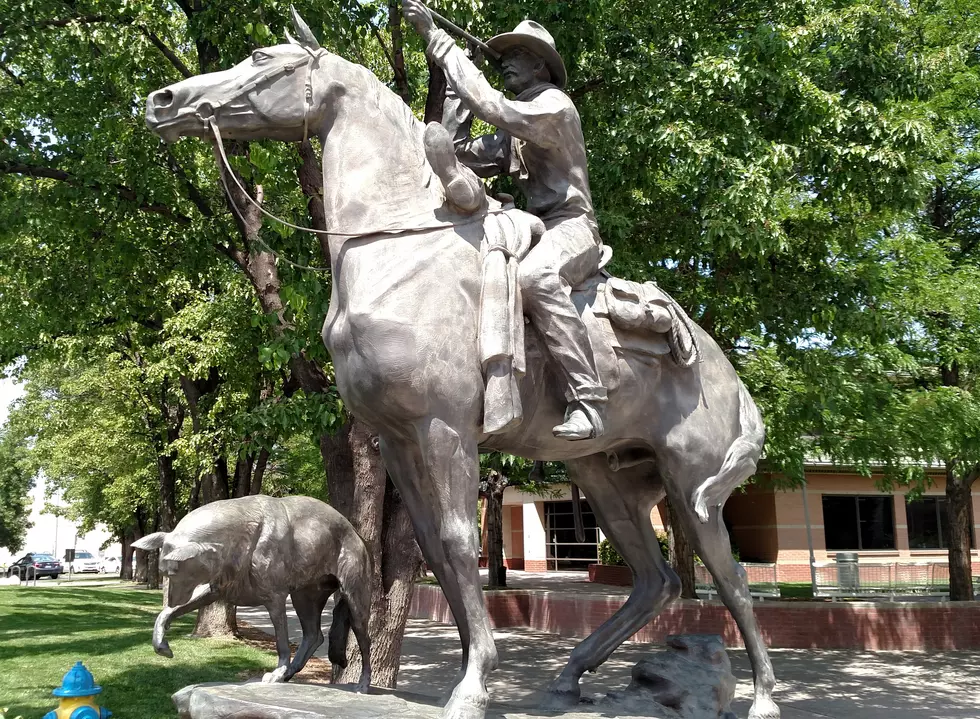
(339, 633)
(740, 460)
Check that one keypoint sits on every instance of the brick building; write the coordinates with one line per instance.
(847, 512)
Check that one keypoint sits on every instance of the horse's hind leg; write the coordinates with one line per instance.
(712, 544)
(622, 502)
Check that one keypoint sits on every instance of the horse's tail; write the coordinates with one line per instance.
(339, 632)
(740, 460)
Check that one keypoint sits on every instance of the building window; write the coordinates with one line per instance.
(563, 551)
(929, 523)
(859, 523)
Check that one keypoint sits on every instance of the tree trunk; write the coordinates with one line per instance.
(359, 488)
(126, 568)
(243, 475)
(139, 576)
(255, 485)
(681, 554)
(958, 500)
(495, 484)
(216, 620)
(152, 569)
(397, 51)
(168, 491)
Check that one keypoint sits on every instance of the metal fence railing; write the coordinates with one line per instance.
(881, 579)
(761, 578)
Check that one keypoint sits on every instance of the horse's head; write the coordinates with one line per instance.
(269, 95)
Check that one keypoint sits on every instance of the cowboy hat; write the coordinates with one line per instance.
(533, 37)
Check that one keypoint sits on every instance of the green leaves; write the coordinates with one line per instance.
(16, 481)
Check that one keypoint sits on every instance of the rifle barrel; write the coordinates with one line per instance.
(460, 32)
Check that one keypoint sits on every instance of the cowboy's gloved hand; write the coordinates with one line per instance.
(418, 15)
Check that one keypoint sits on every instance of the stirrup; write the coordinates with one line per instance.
(463, 189)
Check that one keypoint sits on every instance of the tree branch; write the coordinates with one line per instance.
(586, 87)
(65, 21)
(195, 195)
(10, 73)
(81, 20)
(381, 42)
(167, 52)
(127, 193)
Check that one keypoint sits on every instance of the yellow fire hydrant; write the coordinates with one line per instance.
(77, 693)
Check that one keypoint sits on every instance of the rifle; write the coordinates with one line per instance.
(459, 32)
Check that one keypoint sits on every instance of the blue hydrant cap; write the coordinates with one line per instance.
(78, 682)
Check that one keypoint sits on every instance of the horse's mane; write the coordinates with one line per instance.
(388, 182)
(388, 99)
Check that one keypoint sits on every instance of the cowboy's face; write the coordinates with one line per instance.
(521, 69)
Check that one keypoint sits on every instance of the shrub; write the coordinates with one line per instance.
(609, 556)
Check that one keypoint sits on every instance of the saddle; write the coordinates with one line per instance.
(623, 319)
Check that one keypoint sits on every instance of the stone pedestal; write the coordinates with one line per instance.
(692, 680)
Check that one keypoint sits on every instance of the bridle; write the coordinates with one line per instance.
(288, 68)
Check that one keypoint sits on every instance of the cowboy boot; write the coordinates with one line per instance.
(463, 188)
(583, 420)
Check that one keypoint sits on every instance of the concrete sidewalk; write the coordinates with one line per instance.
(812, 684)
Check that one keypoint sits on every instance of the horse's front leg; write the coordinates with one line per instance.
(454, 465)
(437, 474)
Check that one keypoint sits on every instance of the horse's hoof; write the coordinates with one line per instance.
(163, 649)
(276, 676)
(562, 694)
(364, 684)
(764, 709)
(463, 705)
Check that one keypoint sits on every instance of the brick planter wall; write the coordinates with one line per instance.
(791, 625)
(611, 575)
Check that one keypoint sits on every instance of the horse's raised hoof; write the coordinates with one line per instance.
(163, 649)
(764, 709)
(466, 705)
(277, 676)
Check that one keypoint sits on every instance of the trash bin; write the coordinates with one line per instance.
(848, 576)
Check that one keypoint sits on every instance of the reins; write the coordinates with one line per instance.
(225, 166)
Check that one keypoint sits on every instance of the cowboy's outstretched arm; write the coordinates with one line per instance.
(534, 121)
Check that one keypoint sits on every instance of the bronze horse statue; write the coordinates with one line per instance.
(402, 330)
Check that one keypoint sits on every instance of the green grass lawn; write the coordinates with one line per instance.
(795, 590)
(43, 631)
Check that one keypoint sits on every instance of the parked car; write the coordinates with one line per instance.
(35, 563)
(84, 561)
(110, 565)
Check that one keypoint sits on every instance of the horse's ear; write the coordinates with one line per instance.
(303, 31)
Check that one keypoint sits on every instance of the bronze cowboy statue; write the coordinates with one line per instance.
(422, 262)
(539, 143)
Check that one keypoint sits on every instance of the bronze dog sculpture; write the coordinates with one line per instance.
(259, 550)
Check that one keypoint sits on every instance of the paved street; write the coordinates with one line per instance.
(812, 684)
